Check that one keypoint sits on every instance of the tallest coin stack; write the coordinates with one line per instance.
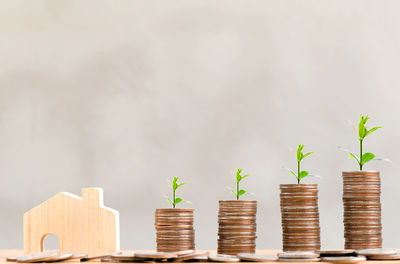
(362, 209)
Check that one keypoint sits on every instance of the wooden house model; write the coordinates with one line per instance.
(81, 224)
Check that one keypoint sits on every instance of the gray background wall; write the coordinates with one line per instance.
(126, 94)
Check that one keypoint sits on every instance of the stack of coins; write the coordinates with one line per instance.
(300, 217)
(237, 227)
(362, 210)
(174, 228)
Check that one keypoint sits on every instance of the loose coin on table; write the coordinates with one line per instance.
(299, 259)
(297, 255)
(256, 257)
(36, 257)
(385, 257)
(344, 260)
(79, 256)
(376, 252)
(198, 259)
(156, 255)
(11, 259)
(194, 255)
(223, 258)
(108, 260)
(123, 257)
(101, 256)
(61, 256)
(184, 252)
(335, 252)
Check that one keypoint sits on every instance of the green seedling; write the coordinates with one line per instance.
(239, 192)
(300, 156)
(175, 185)
(363, 132)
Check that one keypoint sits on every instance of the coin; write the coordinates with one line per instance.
(11, 259)
(123, 257)
(193, 255)
(155, 255)
(298, 254)
(223, 258)
(37, 257)
(60, 256)
(79, 256)
(376, 252)
(385, 257)
(336, 253)
(344, 260)
(100, 256)
(299, 260)
(256, 257)
(108, 260)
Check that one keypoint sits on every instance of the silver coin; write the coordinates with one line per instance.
(344, 260)
(376, 252)
(298, 254)
(223, 258)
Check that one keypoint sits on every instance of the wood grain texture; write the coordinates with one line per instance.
(82, 225)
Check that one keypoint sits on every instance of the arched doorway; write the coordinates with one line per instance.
(49, 242)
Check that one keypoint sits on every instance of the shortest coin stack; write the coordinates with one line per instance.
(237, 227)
(174, 229)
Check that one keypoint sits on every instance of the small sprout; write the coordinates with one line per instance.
(175, 200)
(363, 132)
(300, 156)
(239, 192)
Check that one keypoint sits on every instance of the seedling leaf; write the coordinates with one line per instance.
(363, 132)
(300, 156)
(175, 186)
(352, 156)
(307, 154)
(179, 185)
(367, 157)
(178, 200)
(303, 174)
(239, 178)
(241, 192)
(299, 153)
(245, 176)
(372, 130)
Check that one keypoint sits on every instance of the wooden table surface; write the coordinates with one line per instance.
(16, 252)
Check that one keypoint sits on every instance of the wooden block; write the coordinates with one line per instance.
(82, 225)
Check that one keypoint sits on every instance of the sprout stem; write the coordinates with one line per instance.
(237, 190)
(361, 153)
(173, 198)
(298, 172)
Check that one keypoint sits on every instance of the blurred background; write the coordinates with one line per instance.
(126, 94)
